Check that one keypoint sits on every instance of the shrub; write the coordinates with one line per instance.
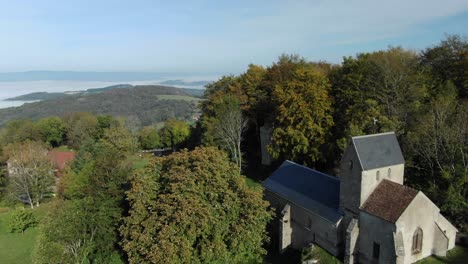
(20, 220)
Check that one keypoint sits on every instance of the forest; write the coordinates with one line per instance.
(203, 203)
(145, 104)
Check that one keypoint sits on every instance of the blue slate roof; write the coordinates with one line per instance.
(308, 188)
(378, 150)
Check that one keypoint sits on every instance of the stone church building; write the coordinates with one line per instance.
(366, 215)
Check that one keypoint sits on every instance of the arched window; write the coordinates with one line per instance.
(389, 173)
(417, 241)
(377, 175)
(350, 164)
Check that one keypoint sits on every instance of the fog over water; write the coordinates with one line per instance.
(17, 88)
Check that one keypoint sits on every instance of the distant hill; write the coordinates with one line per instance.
(36, 96)
(146, 104)
(184, 83)
(39, 96)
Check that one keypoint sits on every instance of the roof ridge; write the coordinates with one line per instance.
(373, 135)
(305, 167)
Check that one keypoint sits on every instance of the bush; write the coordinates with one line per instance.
(20, 220)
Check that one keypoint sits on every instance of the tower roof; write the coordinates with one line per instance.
(378, 150)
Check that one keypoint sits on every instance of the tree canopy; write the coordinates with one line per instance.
(194, 207)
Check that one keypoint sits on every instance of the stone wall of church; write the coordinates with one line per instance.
(376, 242)
(371, 178)
(308, 227)
(421, 213)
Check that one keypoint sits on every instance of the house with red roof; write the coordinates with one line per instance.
(61, 159)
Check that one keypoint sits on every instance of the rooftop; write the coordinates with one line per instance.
(389, 200)
(308, 188)
(378, 150)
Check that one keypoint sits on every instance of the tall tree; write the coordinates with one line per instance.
(230, 127)
(194, 207)
(448, 61)
(32, 176)
(303, 117)
(82, 228)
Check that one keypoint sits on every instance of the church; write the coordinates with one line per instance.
(366, 214)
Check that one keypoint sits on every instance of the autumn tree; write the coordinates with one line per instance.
(32, 176)
(194, 207)
(303, 117)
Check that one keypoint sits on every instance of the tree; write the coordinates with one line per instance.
(174, 133)
(194, 207)
(32, 178)
(52, 130)
(19, 131)
(448, 61)
(20, 220)
(438, 154)
(81, 127)
(303, 117)
(230, 126)
(149, 138)
(82, 227)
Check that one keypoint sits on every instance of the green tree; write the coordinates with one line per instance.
(20, 220)
(194, 207)
(149, 138)
(448, 61)
(82, 227)
(81, 127)
(174, 133)
(437, 148)
(52, 130)
(17, 131)
(32, 178)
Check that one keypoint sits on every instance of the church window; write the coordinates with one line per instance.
(310, 224)
(417, 241)
(350, 164)
(389, 173)
(377, 175)
(376, 251)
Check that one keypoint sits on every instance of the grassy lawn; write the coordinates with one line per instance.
(178, 97)
(252, 183)
(17, 247)
(458, 255)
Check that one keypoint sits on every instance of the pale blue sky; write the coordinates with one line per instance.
(211, 36)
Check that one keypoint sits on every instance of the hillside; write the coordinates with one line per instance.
(147, 104)
(39, 96)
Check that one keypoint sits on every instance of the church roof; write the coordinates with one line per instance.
(378, 150)
(389, 200)
(308, 188)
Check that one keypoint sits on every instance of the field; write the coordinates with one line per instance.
(17, 248)
(178, 97)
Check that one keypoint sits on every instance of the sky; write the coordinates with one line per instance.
(212, 36)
